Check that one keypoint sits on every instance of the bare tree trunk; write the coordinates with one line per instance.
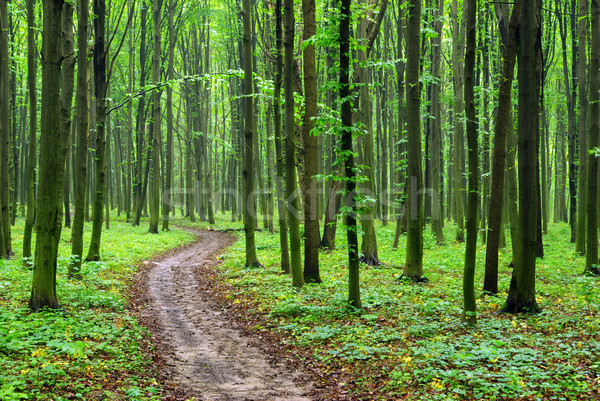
(591, 260)
(521, 296)
(248, 172)
(346, 148)
(32, 142)
(503, 118)
(100, 90)
(52, 163)
(472, 138)
(414, 238)
(310, 187)
(156, 133)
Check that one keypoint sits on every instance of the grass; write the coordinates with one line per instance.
(409, 341)
(94, 348)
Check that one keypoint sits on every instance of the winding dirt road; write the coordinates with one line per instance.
(206, 355)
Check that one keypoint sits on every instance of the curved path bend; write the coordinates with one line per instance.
(207, 356)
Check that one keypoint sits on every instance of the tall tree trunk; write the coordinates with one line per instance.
(521, 296)
(348, 157)
(591, 257)
(509, 55)
(66, 93)
(167, 197)
(82, 142)
(436, 127)
(100, 90)
(5, 248)
(414, 235)
(472, 140)
(401, 218)
(156, 133)
(52, 163)
(457, 62)
(570, 90)
(582, 29)
(248, 172)
(279, 162)
(290, 147)
(138, 188)
(310, 187)
(32, 142)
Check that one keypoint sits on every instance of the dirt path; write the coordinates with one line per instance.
(205, 355)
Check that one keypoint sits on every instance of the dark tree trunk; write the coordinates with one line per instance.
(32, 142)
(100, 90)
(311, 190)
(521, 296)
(348, 157)
(490, 283)
(52, 164)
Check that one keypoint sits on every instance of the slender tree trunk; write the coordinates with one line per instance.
(401, 218)
(472, 140)
(248, 172)
(436, 127)
(591, 259)
(66, 94)
(521, 296)
(52, 163)
(348, 157)
(457, 62)
(414, 238)
(82, 141)
(167, 197)
(100, 90)
(490, 283)
(582, 29)
(311, 190)
(32, 142)
(5, 248)
(290, 147)
(138, 199)
(279, 163)
(156, 134)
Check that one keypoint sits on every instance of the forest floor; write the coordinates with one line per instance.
(202, 351)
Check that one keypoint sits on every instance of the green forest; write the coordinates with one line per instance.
(299, 200)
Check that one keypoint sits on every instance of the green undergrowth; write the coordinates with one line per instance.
(409, 341)
(93, 348)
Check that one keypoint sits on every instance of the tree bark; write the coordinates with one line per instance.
(348, 157)
(156, 133)
(32, 142)
(414, 235)
(52, 163)
(521, 296)
(311, 190)
(168, 197)
(100, 90)
(248, 172)
(591, 257)
(490, 282)
(472, 139)
(582, 33)
(279, 163)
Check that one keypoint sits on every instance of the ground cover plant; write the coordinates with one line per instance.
(409, 340)
(94, 347)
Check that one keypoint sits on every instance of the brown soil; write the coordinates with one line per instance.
(202, 353)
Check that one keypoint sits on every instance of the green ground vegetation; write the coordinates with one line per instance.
(409, 341)
(94, 347)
